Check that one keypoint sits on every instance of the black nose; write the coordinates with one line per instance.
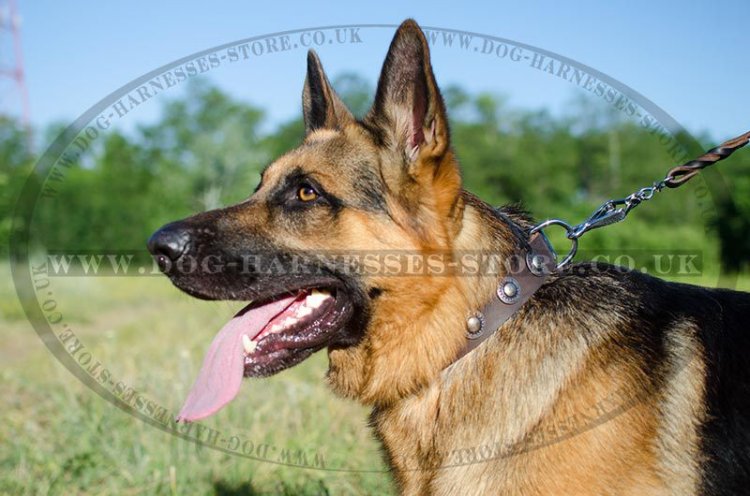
(169, 243)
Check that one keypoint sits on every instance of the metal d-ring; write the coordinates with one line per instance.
(570, 233)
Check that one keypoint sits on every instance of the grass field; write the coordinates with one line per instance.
(58, 437)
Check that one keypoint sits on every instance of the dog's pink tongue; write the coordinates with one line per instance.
(220, 377)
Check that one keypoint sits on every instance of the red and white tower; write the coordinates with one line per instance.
(14, 97)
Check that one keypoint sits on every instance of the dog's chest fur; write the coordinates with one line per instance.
(552, 405)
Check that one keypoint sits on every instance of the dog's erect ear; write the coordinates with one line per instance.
(408, 116)
(408, 105)
(321, 106)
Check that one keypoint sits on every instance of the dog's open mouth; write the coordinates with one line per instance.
(263, 339)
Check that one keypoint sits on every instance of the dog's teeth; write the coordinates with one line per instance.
(304, 311)
(316, 298)
(290, 321)
(248, 344)
(276, 328)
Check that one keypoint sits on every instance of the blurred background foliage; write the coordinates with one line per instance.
(207, 149)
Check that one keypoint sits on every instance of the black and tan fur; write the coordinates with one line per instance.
(606, 382)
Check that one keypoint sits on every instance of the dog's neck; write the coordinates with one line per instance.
(383, 368)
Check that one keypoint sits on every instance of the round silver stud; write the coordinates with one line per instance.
(475, 325)
(535, 264)
(509, 290)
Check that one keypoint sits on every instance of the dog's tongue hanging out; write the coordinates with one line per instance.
(223, 367)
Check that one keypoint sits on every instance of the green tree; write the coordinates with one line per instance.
(207, 149)
(16, 160)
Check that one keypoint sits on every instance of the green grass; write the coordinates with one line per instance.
(59, 437)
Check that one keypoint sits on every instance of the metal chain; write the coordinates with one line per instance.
(613, 211)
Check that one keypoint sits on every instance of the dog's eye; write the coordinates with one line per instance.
(307, 193)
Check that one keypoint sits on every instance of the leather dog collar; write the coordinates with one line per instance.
(527, 271)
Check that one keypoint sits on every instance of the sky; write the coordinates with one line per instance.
(688, 57)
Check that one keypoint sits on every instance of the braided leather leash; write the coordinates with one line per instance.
(677, 176)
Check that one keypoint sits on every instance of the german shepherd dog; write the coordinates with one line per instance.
(606, 381)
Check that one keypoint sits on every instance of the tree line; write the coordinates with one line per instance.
(207, 149)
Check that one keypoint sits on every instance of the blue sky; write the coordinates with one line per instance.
(687, 57)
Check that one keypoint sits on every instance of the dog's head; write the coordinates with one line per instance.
(386, 182)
